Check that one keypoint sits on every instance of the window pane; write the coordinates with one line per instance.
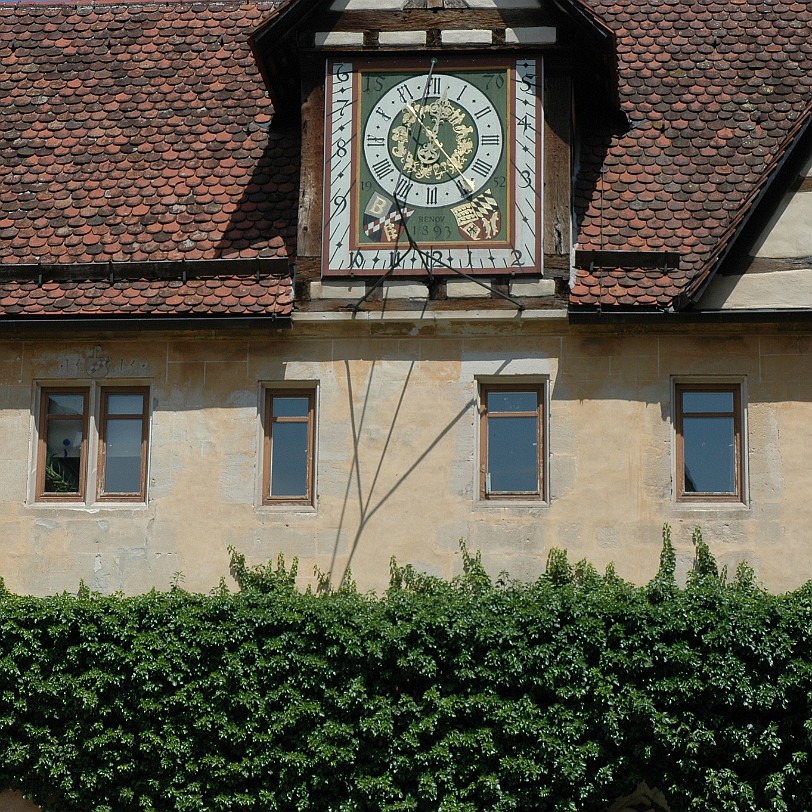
(66, 404)
(710, 454)
(63, 455)
(290, 407)
(513, 454)
(125, 404)
(707, 401)
(289, 458)
(512, 401)
(122, 466)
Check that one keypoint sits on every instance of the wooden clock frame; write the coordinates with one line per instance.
(407, 250)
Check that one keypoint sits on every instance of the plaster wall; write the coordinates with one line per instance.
(397, 453)
(779, 290)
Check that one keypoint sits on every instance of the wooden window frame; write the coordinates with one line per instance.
(93, 452)
(280, 392)
(485, 415)
(737, 413)
(44, 421)
(104, 417)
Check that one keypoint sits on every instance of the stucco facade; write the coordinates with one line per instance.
(397, 447)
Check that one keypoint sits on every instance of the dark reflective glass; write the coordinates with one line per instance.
(122, 467)
(710, 454)
(707, 402)
(125, 404)
(289, 459)
(66, 404)
(290, 407)
(513, 454)
(512, 401)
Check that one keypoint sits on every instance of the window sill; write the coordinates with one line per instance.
(87, 507)
(706, 505)
(511, 504)
(287, 507)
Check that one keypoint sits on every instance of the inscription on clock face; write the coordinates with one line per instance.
(432, 167)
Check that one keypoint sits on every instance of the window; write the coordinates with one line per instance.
(511, 432)
(77, 446)
(289, 442)
(709, 442)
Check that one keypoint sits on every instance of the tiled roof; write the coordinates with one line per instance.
(714, 92)
(139, 132)
(236, 295)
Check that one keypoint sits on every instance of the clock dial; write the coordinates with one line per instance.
(433, 140)
(432, 169)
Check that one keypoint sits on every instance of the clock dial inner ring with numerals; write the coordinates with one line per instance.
(433, 140)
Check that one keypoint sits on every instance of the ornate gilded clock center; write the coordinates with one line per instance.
(443, 134)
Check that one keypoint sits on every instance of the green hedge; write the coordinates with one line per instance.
(470, 695)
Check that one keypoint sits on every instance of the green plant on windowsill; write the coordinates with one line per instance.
(58, 476)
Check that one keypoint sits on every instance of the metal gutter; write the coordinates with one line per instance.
(62, 324)
(167, 270)
(674, 317)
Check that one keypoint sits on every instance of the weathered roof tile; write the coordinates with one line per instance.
(714, 93)
(114, 120)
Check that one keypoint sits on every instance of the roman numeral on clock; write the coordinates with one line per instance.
(431, 195)
(375, 141)
(382, 168)
(404, 187)
(481, 167)
(489, 140)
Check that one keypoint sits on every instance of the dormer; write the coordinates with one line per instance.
(437, 136)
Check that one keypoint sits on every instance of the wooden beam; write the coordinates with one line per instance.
(557, 163)
(418, 19)
(312, 161)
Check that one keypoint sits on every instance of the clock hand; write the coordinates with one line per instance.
(438, 117)
(433, 138)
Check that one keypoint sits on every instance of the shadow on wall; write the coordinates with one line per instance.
(14, 802)
(361, 485)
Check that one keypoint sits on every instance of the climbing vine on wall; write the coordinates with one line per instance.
(465, 696)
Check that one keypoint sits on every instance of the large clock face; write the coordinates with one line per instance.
(432, 140)
(432, 167)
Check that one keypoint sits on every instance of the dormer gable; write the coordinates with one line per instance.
(481, 189)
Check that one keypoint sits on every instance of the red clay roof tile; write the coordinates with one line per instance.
(113, 120)
(714, 93)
